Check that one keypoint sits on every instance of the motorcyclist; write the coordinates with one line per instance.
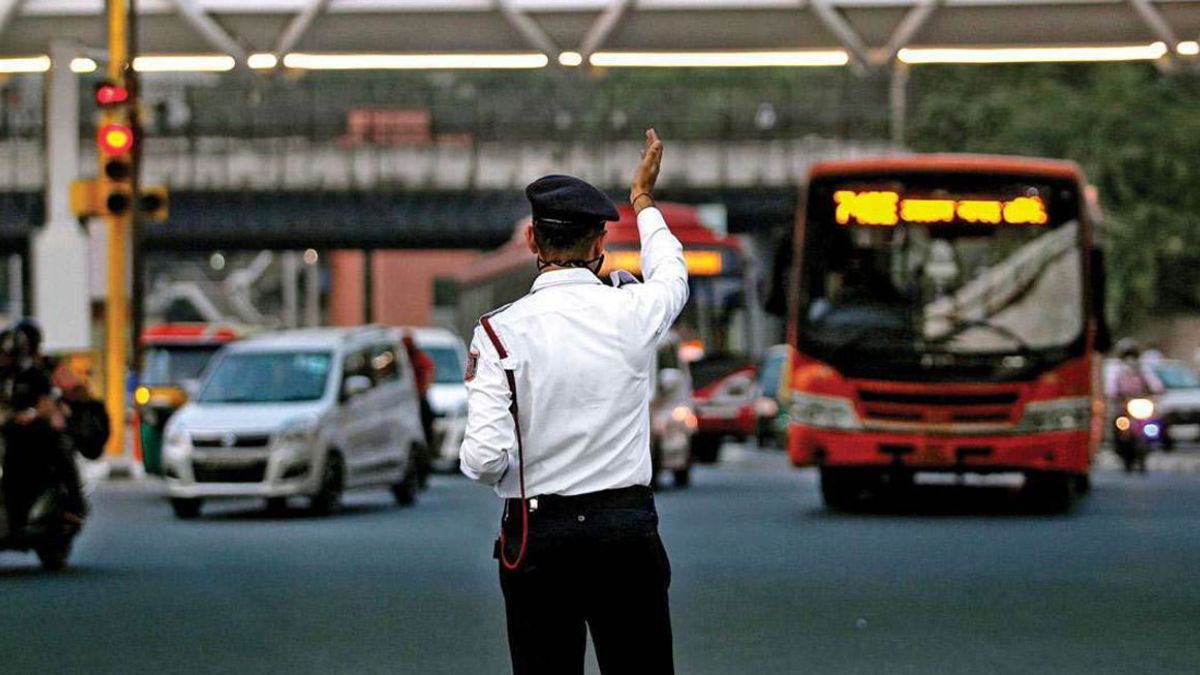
(38, 454)
(1129, 382)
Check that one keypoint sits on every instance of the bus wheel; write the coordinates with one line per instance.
(1052, 492)
(840, 488)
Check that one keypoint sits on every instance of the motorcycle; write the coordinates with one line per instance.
(1136, 430)
(49, 530)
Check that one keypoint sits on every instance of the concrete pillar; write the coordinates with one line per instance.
(312, 295)
(290, 272)
(60, 249)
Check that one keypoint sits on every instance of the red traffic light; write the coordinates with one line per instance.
(110, 94)
(115, 139)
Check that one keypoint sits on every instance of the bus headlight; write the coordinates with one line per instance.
(1140, 408)
(824, 412)
(1060, 414)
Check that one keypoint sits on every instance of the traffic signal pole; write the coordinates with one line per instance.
(116, 319)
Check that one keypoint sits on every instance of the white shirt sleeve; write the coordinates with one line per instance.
(659, 300)
(490, 433)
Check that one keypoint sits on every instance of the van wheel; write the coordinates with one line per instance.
(276, 506)
(186, 509)
(333, 483)
(405, 492)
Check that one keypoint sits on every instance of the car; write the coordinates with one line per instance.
(725, 393)
(447, 393)
(299, 413)
(1179, 399)
(673, 420)
(770, 406)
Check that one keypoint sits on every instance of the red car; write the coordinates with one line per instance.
(725, 392)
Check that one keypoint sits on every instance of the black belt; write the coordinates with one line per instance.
(632, 497)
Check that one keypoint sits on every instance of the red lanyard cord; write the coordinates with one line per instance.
(512, 409)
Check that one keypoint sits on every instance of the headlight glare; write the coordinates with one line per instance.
(1140, 408)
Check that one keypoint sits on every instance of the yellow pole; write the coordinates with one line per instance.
(116, 317)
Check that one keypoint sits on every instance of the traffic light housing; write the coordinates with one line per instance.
(115, 141)
(153, 203)
(110, 94)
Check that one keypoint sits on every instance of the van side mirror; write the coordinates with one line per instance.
(355, 385)
(1099, 284)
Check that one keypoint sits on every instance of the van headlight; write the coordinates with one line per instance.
(1060, 414)
(296, 433)
(176, 440)
(824, 412)
(1140, 408)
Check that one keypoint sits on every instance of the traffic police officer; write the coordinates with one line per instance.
(559, 385)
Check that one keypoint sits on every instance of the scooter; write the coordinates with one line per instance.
(49, 530)
(1136, 430)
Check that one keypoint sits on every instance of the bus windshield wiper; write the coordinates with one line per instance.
(961, 324)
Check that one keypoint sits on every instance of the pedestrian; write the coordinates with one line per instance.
(423, 376)
(559, 384)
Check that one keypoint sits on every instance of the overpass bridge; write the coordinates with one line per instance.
(864, 33)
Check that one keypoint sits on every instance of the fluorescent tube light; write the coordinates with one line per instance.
(1147, 52)
(303, 61)
(82, 64)
(262, 61)
(205, 63)
(721, 59)
(28, 64)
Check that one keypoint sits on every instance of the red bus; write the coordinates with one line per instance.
(714, 329)
(944, 313)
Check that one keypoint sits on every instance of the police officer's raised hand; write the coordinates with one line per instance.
(642, 187)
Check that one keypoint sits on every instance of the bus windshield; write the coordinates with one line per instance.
(950, 288)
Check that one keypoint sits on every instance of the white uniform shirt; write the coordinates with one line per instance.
(582, 353)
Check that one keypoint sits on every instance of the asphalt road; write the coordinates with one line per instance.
(765, 581)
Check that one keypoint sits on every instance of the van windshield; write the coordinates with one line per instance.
(268, 377)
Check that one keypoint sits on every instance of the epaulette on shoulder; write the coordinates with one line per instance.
(622, 278)
(494, 312)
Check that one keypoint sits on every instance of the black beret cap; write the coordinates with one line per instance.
(569, 199)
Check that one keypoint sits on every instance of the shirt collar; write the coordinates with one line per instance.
(564, 278)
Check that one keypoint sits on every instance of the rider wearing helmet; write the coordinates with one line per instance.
(37, 452)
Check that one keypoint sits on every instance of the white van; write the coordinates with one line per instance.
(298, 413)
(447, 392)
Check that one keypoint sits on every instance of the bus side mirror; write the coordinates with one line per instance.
(781, 271)
(1099, 284)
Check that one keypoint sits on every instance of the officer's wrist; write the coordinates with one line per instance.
(641, 201)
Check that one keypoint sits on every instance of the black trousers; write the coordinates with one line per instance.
(594, 562)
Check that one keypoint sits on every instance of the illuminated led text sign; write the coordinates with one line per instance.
(883, 208)
(699, 263)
